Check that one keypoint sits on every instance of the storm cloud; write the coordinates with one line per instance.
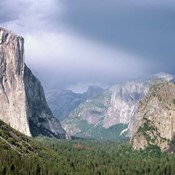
(141, 28)
(76, 43)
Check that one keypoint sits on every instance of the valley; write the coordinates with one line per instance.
(108, 114)
(20, 154)
(87, 87)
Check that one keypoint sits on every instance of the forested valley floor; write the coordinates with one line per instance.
(77, 157)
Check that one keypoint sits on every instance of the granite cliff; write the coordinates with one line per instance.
(154, 122)
(23, 104)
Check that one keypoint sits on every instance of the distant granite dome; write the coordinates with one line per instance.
(92, 92)
(63, 102)
(22, 98)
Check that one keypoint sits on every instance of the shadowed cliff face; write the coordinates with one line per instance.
(22, 98)
(41, 119)
(155, 118)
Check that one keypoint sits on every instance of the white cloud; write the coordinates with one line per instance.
(32, 16)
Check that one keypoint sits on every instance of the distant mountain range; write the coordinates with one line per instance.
(104, 115)
(63, 102)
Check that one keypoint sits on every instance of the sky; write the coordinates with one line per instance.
(70, 44)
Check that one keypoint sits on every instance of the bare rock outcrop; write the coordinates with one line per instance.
(155, 118)
(13, 108)
(22, 98)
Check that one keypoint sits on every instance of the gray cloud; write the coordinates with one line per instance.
(70, 59)
(147, 29)
(9, 11)
(70, 43)
(30, 16)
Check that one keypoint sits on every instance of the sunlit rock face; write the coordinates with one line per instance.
(124, 98)
(154, 122)
(13, 109)
(22, 98)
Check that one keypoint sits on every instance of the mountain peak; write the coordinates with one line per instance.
(92, 91)
(5, 35)
(94, 88)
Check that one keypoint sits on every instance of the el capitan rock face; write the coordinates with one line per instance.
(22, 98)
(155, 118)
(13, 108)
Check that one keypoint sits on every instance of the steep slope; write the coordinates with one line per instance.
(20, 154)
(10, 139)
(155, 118)
(113, 108)
(23, 103)
(62, 102)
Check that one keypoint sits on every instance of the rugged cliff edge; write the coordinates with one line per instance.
(155, 118)
(22, 98)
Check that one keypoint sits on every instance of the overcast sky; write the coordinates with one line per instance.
(75, 43)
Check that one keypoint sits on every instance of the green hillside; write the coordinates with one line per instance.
(21, 155)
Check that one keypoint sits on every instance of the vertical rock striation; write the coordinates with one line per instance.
(22, 98)
(13, 109)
